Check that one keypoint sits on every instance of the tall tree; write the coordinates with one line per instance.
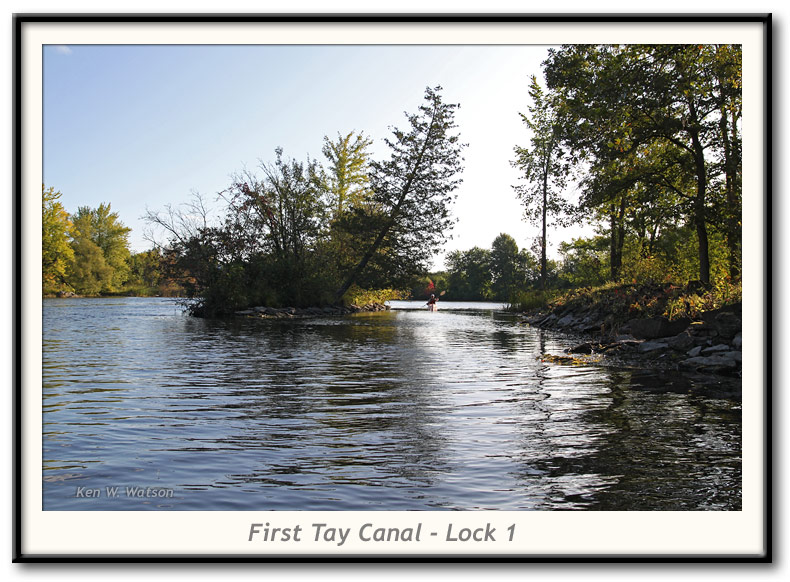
(544, 167)
(413, 189)
(104, 229)
(469, 274)
(507, 268)
(348, 181)
(56, 253)
(727, 65)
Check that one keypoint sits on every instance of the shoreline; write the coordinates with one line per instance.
(699, 356)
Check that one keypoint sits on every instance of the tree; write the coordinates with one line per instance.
(507, 267)
(89, 273)
(103, 229)
(469, 274)
(145, 268)
(544, 168)
(656, 105)
(56, 253)
(348, 182)
(413, 189)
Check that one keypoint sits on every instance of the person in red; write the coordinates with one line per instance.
(432, 303)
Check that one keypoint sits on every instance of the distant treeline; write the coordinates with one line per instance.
(87, 253)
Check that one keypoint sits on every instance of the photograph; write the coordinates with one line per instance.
(469, 286)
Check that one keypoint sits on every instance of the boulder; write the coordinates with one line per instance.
(717, 361)
(694, 352)
(656, 327)
(566, 321)
(682, 342)
(737, 341)
(733, 355)
(727, 323)
(719, 348)
(585, 348)
(649, 346)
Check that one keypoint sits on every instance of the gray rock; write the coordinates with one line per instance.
(656, 327)
(733, 355)
(694, 352)
(566, 321)
(681, 342)
(727, 324)
(718, 348)
(585, 348)
(646, 347)
(244, 312)
(717, 361)
(549, 320)
(737, 341)
(701, 329)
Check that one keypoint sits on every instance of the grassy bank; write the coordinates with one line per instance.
(629, 301)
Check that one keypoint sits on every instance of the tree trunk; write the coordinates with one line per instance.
(699, 199)
(543, 239)
(732, 211)
(614, 267)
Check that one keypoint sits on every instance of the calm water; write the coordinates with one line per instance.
(393, 411)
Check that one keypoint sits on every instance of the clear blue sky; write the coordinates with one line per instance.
(143, 126)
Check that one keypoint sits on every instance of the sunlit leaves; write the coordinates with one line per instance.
(56, 253)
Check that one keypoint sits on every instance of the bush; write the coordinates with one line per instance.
(357, 296)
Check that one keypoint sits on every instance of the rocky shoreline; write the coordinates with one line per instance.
(707, 350)
(263, 312)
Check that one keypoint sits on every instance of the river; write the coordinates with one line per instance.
(146, 408)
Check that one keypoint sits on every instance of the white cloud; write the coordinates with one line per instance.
(63, 49)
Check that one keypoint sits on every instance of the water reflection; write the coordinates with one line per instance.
(399, 410)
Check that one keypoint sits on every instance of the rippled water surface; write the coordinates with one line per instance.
(398, 410)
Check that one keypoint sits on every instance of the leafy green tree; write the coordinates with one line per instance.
(654, 110)
(348, 182)
(104, 270)
(583, 261)
(412, 190)
(56, 253)
(507, 267)
(102, 228)
(145, 268)
(469, 274)
(544, 167)
(727, 63)
(89, 273)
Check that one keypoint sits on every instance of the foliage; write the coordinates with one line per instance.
(412, 190)
(508, 267)
(469, 275)
(622, 302)
(348, 183)
(358, 296)
(531, 299)
(544, 167)
(146, 276)
(100, 243)
(583, 262)
(655, 120)
(89, 273)
(56, 253)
